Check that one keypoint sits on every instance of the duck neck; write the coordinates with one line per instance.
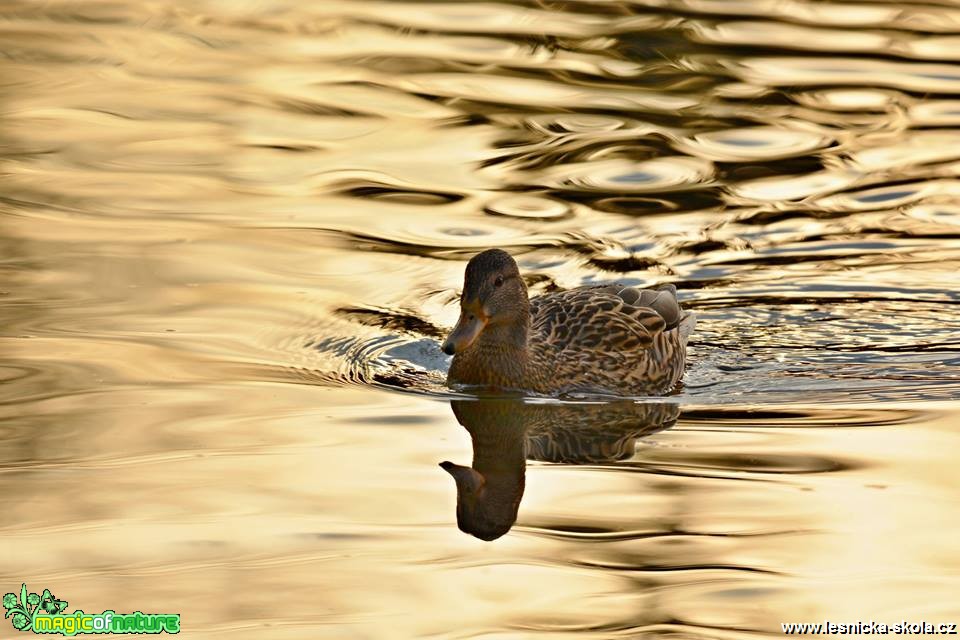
(500, 356)
(506, 336)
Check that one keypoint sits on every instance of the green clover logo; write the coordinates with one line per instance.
(24, 608)
(50, 604)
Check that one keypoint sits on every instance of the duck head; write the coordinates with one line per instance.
(494, 302)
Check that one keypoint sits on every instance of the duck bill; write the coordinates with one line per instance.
(469, 480)
(468, 328)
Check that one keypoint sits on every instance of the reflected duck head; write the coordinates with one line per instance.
(494, 299)
(485, 510)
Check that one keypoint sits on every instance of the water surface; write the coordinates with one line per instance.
(233, 233)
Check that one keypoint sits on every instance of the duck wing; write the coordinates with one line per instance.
(612, 317)
(662, 300)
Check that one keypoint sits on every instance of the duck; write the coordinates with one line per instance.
(610, 339)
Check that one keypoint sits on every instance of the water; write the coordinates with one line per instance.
(233, 233)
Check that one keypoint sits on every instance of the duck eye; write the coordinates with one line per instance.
(498, 282)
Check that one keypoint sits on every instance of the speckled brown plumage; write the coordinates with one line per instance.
(602, 338)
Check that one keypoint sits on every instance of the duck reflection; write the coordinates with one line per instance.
(506, 432)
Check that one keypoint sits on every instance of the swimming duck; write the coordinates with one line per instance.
(610, 339)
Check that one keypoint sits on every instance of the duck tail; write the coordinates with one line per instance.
(687, 324)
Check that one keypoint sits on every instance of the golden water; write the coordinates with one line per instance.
(232, 232)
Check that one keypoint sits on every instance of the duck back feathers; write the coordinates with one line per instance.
(612, 338)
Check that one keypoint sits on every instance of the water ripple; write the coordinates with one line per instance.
(234, 233)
